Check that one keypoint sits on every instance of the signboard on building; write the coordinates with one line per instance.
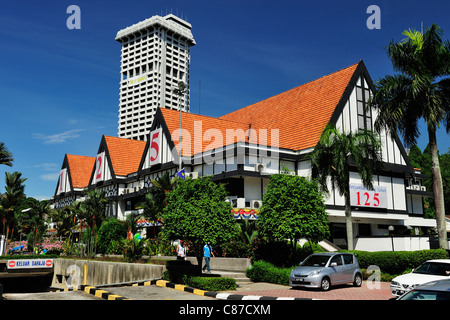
(99, 168)
(362, 197)
(29, 263)
(155, 149)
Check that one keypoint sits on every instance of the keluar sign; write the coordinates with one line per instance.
(29, 263)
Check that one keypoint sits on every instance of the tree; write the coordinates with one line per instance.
(95, 208)
(155, 199)
(293, 208)
(196, 211)
(420, 91)
(422, 160)
(336, 154)
(5, 156)
(11, 199)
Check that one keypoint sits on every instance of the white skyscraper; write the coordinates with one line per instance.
(155, 57)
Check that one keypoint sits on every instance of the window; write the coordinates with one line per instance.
(364, 113)
(348, 258)
(336, 259)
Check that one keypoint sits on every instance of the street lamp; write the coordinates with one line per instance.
(180, 91)
(391, 229)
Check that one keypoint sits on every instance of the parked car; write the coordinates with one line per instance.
(323, 270)
(434, 290)
(430, 270)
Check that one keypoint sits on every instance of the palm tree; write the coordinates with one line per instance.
(420, 91)
(336, 154)
(155, 199)
(5, 156)
(15, 192)
(65, 221)
(95, 205)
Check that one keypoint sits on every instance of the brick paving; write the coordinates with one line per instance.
(342, 292)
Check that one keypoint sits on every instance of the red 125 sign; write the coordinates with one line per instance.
(362, 197)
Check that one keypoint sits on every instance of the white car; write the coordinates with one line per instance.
(431, 270)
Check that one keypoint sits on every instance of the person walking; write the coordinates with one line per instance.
(181, 251)
(207, 252)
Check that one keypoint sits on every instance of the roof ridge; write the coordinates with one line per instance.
(210, 117)
(304, 84)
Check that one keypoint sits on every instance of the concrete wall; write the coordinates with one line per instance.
(222, 264)
(69, 272)
(390, 244)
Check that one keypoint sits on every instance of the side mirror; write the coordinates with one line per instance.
(333, 264)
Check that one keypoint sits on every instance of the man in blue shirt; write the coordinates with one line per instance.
(207, 252)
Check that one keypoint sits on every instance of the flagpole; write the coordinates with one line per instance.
(180, 92)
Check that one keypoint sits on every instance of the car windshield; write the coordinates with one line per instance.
(426, 295)
(315, 261)
(434, 268)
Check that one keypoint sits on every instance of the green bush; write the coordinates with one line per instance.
(211, 283)
(391, 264)
(203, 283)
(396, 262)
(111, 232)
(263, 271)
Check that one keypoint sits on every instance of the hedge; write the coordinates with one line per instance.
(263, 271)
(396, 262)
(210, 283)
(389, 262)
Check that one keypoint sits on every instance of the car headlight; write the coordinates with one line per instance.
(313, 273)
(395, 283)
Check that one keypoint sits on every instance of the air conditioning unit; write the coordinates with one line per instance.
(238, 202)
(193, 175)
(259, 167)
(255, 204)
(423, 188)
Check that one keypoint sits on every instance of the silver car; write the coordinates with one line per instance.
(434, 290)
(322, 270)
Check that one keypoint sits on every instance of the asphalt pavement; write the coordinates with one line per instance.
(250, 291)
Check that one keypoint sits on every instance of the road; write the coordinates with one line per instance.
(134, 293)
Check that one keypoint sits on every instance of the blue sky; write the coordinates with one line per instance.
(59, 88)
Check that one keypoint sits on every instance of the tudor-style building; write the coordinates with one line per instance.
(245, 147)
(73, 179)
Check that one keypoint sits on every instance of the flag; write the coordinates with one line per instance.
(181, 174)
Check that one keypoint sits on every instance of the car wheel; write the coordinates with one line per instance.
(325, 284)
(358, 280)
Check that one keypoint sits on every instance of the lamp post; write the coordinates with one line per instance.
(391, 229)
(180, 91)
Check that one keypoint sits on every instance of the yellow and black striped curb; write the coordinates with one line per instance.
(220, 295)
(98, 292)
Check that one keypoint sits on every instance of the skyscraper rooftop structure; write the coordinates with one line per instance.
(155, 57)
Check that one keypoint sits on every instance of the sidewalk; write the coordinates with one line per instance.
(343, 292)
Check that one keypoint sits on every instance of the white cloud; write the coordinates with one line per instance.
(50, 177)
(58, 137)
(47, 166)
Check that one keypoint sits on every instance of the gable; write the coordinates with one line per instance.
(74, 174)
(352, 115)
(116, 157)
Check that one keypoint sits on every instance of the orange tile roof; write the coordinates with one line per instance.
(125, 154)
(301, 113)
(214, 127)
(80, 168)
